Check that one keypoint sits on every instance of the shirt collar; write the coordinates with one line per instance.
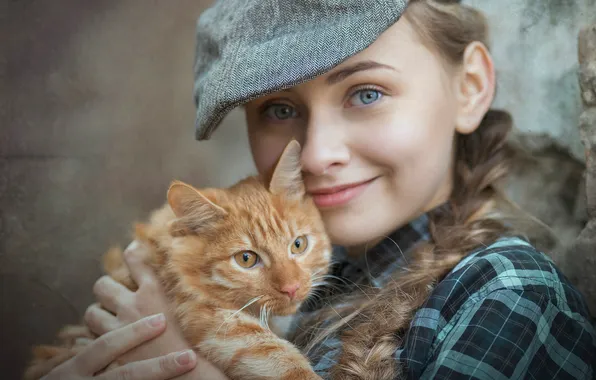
(390, 254)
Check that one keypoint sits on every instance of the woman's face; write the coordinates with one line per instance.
(376, 132)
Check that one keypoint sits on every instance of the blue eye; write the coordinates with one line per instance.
(280, 112)
(365, 97)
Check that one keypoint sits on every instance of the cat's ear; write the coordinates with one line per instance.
(287, 175)
(194, 209)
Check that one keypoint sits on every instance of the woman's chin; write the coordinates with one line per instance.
(348, 235)
(361, 226)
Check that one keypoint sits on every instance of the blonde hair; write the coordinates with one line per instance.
(373, 328)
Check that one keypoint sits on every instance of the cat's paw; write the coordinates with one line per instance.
(45, 359)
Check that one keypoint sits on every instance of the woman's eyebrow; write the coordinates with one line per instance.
(342, 74)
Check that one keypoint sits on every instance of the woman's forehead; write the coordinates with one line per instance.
(388, 51)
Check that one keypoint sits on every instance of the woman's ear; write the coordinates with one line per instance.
(476, 87)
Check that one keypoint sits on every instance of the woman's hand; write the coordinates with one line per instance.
(118, 306)
(101, 352)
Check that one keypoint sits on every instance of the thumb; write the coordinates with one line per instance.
(136, 256)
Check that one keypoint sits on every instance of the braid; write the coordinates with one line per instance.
(482, 159)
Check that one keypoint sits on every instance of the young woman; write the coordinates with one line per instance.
(401, 153)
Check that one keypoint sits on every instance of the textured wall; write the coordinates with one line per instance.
(97, 118)
(535, 49)
(581, 257)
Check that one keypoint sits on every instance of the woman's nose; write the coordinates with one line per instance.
(325, 148)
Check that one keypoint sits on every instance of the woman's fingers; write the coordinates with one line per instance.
(135, 255)
(99, 320)
(110, 293)
(161, 368)
(110, 346)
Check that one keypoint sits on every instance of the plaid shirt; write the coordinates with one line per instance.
(504, 312)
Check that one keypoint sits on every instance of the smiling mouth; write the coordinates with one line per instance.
(339, 195)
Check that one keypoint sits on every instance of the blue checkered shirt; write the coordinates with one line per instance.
(505, 312)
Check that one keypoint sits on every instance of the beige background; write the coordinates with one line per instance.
(96, 119)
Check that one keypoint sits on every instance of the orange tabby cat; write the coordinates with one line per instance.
(229, 259)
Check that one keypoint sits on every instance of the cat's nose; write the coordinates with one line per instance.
(290, 290)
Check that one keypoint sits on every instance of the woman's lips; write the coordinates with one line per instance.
(339, 195)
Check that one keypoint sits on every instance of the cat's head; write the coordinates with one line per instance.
(258, 241)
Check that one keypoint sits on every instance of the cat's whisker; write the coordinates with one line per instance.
(264, 316)
(323, 285)
(330, 276)
(321, 280)
(349, 282)
(333, 262)
(261, 312)
(312, 300)
(315, 295)
(238, 311)
(320, 287)
(267, 312)
(247, 305)
(315, 273)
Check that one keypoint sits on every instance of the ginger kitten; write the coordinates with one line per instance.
(230, 260)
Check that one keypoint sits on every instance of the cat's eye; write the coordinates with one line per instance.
(246, 259)
(299, 245)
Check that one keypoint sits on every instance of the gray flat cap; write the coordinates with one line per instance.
(249, 48)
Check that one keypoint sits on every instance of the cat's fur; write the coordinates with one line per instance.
(195, 237)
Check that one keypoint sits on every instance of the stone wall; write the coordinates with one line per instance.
(534, 43)
(581, 257)
(97, 118)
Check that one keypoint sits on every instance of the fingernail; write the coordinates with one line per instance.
(184, 357)
(157, 320)
(132, 246)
